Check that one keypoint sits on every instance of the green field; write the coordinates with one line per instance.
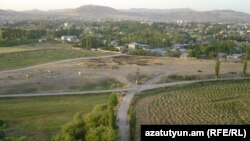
(224, 102)
(26, 58)
(40, 117)
(106, 84)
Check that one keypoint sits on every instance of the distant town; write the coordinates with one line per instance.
(175, 39)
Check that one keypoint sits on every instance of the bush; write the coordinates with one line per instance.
(74, 130)
(110, 49)
(141, 52)
(98, 125)
(113, 100)
(181, 77)
(4, 138)
(174, 54)
(132, 123)
(102, 133)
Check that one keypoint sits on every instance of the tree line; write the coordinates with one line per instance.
(13, 37)
(98, 125)
(11, 33)
(16, 42)
(214, 47)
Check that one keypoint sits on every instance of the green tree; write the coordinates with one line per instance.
(132, 123)
(245, 65)
(74, 130)
(113, 100)
(217, 68)
(102, 133)
(111, 118)
(1, 36)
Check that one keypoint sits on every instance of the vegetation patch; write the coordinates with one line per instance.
(38, 118)
(27, 58)
(98, 125)
(101, 85)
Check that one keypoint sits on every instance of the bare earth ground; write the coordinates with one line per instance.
(65, 76)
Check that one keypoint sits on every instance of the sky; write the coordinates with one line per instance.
(200, 5)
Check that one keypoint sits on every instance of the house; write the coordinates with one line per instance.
(182, 50)
(135, 45)
(184, 55)
(120, 48)
(69, 38)
(179, 47)
(114, 43)
(235, 57)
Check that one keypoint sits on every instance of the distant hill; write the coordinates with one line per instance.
(96, 9)
(34, 11)
(157, 11)
(89, 12)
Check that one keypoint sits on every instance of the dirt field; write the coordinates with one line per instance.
(122, 69)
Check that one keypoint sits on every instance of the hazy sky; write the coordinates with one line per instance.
(239, 5)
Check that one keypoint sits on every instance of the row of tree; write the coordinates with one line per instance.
(16, 42)
(218, 63)
(11, 33)
(98, 125)
(214, 47)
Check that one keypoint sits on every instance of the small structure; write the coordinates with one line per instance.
(179, 47)
(120, 48)
(222, 56)
(27, 76)
(79, 73)
(114, 43)
(69, 38)
(184, 55)
(235, 57)
(135, 45)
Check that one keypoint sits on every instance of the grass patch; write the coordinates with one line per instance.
(175, 77)
(99, 85)
(40, 117)
(14, 49)
(28, 58)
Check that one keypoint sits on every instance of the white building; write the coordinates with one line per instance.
(135, 45)
(69, 38)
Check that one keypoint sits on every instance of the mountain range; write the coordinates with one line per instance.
(93, 12)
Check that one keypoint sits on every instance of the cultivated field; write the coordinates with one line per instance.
(225, 102)
(40, 117)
